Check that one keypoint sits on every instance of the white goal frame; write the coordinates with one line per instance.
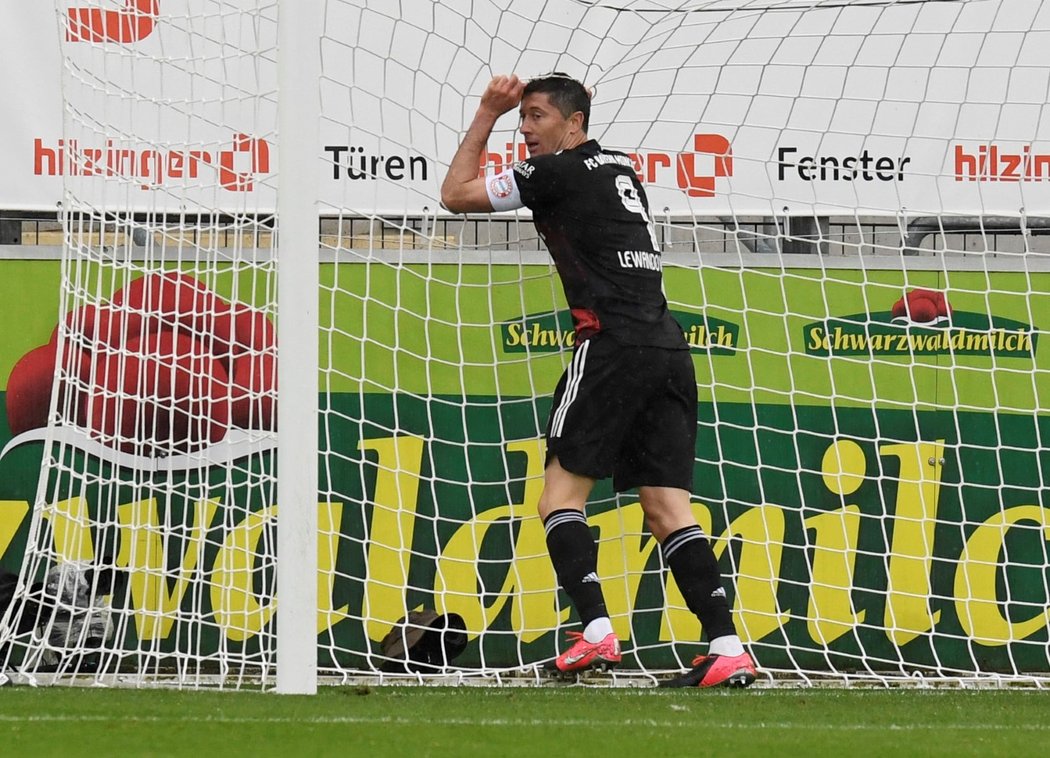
(299, 108)
(861, 283)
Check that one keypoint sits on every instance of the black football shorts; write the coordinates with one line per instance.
(626, 411)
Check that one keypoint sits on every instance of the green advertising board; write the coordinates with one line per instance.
(874, 487)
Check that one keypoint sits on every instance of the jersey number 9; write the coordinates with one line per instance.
(633, 203)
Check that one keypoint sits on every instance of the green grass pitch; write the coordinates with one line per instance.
(549, 722)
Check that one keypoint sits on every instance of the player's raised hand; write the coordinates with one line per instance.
(502, 94)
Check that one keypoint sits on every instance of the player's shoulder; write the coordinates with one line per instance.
(538, 165)
(597, 157)
(563, 161)
(598, 149)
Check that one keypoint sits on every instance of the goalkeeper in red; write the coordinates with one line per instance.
(626, 405)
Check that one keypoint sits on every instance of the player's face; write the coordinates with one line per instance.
(544, 128)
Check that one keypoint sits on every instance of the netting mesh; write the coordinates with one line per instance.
(150, 550)
(844, 198)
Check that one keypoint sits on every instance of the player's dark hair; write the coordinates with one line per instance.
(565, 93)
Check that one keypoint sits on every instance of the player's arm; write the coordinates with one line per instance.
(463, 191)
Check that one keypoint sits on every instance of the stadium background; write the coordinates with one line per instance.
(940, 492)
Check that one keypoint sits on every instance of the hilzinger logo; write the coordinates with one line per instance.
(692, 176)
(238, 166)
(703, 184)
(130, 24)
(258, 154)
(990, 163)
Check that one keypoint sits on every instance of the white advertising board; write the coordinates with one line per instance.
(728, 108)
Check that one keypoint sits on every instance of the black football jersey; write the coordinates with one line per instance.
(592, 213)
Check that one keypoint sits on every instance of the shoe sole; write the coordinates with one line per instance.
(739, 679)
(742, 678)
(602, 667)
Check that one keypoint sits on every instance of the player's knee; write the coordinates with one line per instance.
(666, 510)
(551, 501)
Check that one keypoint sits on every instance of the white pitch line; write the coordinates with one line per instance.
(545, 723)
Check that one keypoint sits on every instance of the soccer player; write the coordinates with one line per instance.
(626, 405)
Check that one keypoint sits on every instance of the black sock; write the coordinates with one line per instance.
(575, 558)
(695, 568)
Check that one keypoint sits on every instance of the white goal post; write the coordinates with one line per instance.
(281, 370)
(299, 108)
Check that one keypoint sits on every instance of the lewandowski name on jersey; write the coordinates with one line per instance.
(640, 259)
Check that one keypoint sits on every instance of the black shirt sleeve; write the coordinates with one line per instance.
(540, 180)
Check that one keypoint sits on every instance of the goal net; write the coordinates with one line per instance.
(847, 201)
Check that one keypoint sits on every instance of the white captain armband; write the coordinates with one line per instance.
(503, 193)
